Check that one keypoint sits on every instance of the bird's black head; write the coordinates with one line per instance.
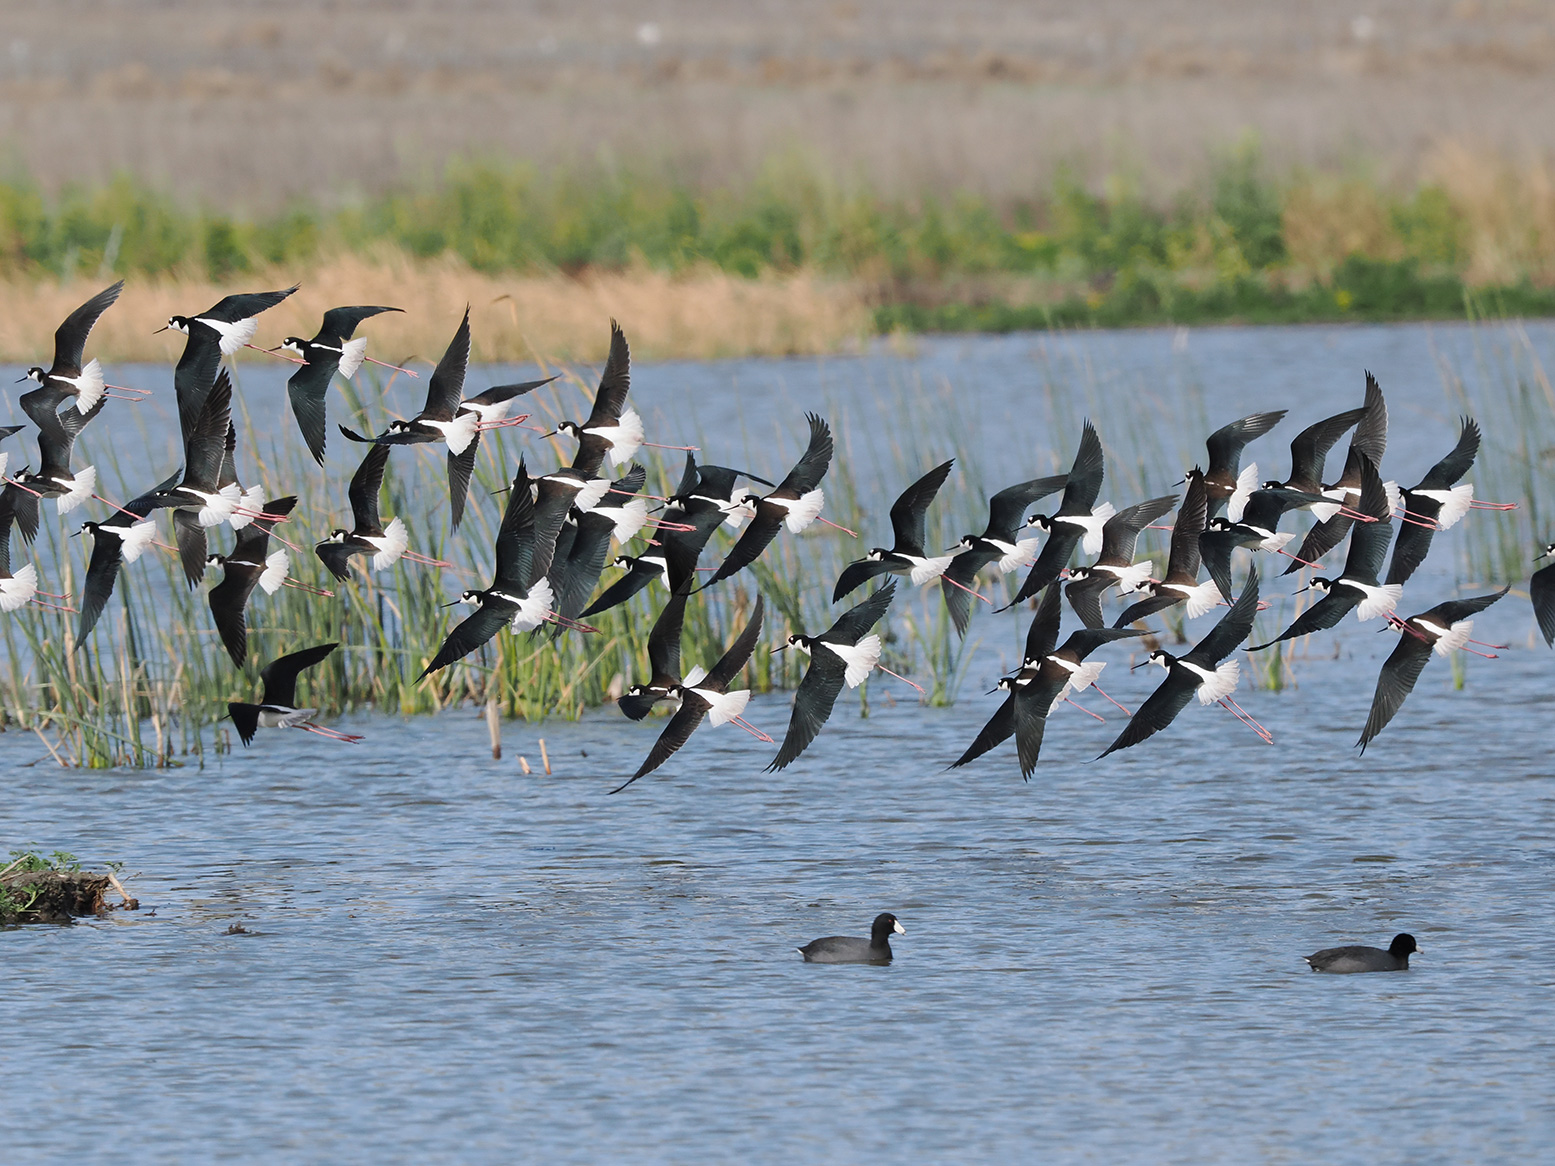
(625, 562)
(1220, 522)
(468, 596)
(296, 345)
(338, 536)
(179, 324)
(1273, 485)
(1321, 585)
(968, 542)
(884, 927)
(35, 374)
(215, 560)
(1079, 573)
(89, 528)
(803, 643)
(638, 690)
(1040, 521)
(1546, 553)
(1160, 656)
(877, 554)
(571, 429)
(1403, 944)
(398, 426)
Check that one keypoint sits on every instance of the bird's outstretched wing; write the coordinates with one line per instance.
(1225, 445)
(995, 732)
(1159, 710)
(1394, 683)
(278, 679)
(365, 484)
(471, 632)
(854, 624)
(1234, 627)
(732, 661)
(675, 734)
(856, 574)
(70, 337)
(1042, 635)
(445, 389)
(1007, 509)
(614, 383)
(813, 702)
(1085, 476)
(909, 512)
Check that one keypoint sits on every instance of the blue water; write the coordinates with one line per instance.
(451, 960)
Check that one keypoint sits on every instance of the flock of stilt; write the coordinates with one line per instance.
(558, 528)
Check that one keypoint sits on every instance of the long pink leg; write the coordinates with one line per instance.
(903, 679)
(308, 587)
(53, 606)
(682, 449)
(967, 589)
(395, 367)
(1241, 714)
(1104, 696)
(1476, 504)
(571, 624)
(835, 526)
(417, 557)
(1298, 558)
(659, 524)
(1085, 710)
(277, 355)
(503, 422)
(34, 493)
(331, 734)
(115, 506)
(751, 729)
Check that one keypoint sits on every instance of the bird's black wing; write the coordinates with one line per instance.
(1225, 445)
(675, 734)
(1085, 597)
(470, 633)
(664, 639)
(516, 537)
(1083, 643)
(499, 393)
(755, 538)
(206, 446)
(414, 437)
(963, 570)
(445, 389)
(585, 563)
(1369, 543)
(813, 703)
(102, 570)
(909, 512)
(228, 474)
(307, 389)
(460, 468)
(1453, 610)
(231, 309)
(1159, 710)
(70, 337)
(1371, 434)
(1042, 635)
(1145, 608)
(1309, 451)
(1051, 561)
(1321, 616)
(689, 478)
(1394, 683)
(1085, 476)
(1184, 557)
(1445, 473)
(278, 679)
(614, 383)
(7, 517)
(731, 662)
(854, 624)
(1234, 627)
(811, 468)
(620, 591)
(1321, 539)
(253, 540)
(1031, 707)
(337, 557)
(995, 732)
(42, 404)
(1215, 547)
(1541, 589)
(228, 600)
(1007, 509)
(1414, 540)
(365, 484)
(856, 574)
(553, 502)
(1121, 532)
(340, 323)
(682, 548)
(192, 545)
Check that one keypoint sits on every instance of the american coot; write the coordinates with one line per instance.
(1365, 959)
(849, 949)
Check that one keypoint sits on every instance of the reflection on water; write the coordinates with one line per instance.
(449, 959)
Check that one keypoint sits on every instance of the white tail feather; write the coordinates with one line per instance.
(929, 569)
(625, 437)
(1221, 684)
(1130, 578)
(804, 511)
(134, 541)
(459, 432)
(1024, 554)
(1277, 540)
(19, 588)
(695, 676)
(1323, 511)
(630, 517)
(1091, 543)
(235, 335)
(394, 543)
(1459, 499)
(89, 387)
(220, 505)
(277, 567)
(737, 513)
(1456, 637)
(592, 494)
(532, 611)
(253, 499)
(1379, 600)
(1395, 496)
(1246, 483)
(725, 706)
(352, 353)
(81, 488)
(860, 658)
(1203, 597)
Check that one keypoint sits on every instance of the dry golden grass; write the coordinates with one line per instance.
(1508, 209)
(702, 314)
(1324, 220)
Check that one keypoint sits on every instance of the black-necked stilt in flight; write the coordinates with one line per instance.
(1358, 588)
(612, 429)
(278, 699)
(641, 570)
(663, 660)
(909, 524)
(368, 535)
(796, 503)
(67, 377)
(442, 419)
(1541, 589)
(557, 495)
(1257, 530)
(1017, 711)
(330, 351)
(1442, 630)
(20, 588)
(251, 564)
(1199, 673)
(121, 538)
(1369, 442)
(1078, 521)
(704, 500)
(999, 543)
(56, 442)
(708, 697)
(1226, 483)
(222, 330)
(844, 654)
(586, 537)
(1181, 583)
(1115, 566)
(1435, 503)
(1309, 456)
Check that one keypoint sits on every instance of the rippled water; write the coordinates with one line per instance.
(450, 960)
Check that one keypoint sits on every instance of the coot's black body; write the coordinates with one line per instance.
(849, 949)
(1340, 960)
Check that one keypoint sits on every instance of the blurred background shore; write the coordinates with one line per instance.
(768, 178)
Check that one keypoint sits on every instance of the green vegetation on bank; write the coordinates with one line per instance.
(1237, 245)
